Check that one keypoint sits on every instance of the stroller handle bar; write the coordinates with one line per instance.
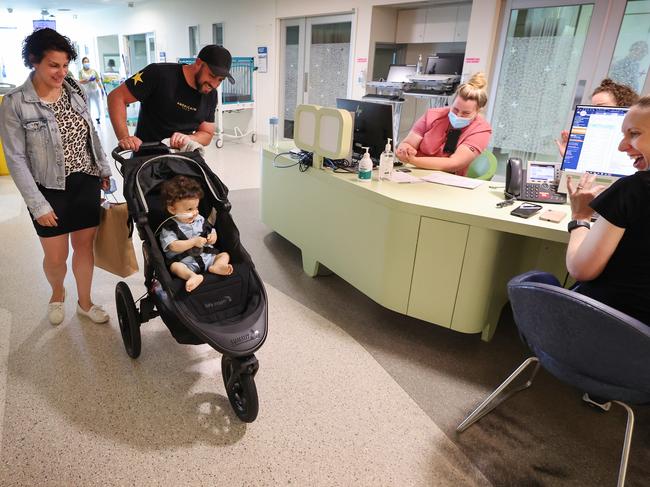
(118, 154)
(146, 148)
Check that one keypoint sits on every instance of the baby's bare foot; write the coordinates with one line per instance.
(221, 269)
(193, 282)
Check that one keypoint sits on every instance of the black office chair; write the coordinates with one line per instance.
(582, 342)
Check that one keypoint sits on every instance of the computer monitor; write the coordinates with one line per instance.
(399, 73)
(445, 63)
(593, 142)
(373, 125)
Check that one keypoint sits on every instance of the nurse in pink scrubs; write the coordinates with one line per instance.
(450, 138)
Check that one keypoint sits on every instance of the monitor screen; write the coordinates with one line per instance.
(373, 125)
(42, 24)
(445, 63)
(593, 142)
(399, 73)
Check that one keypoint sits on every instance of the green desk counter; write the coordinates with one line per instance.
(437, 253)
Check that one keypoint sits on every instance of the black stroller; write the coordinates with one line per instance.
(229, 313)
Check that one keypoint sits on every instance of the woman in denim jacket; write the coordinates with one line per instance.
(56, 161)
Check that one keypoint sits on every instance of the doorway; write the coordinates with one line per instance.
(316, 63)
(141, 51)
(553, 53)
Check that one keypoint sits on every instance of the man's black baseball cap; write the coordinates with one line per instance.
(218, 60)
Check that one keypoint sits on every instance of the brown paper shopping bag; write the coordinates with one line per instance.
(113, 245)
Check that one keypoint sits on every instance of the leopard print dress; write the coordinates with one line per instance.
(77, 206)
(75, 136)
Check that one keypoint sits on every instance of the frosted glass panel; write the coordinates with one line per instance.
(631, 59)
(328, 72)
(537, 79)
(329, 56)
(291, 53)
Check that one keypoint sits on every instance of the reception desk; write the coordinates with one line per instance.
(437, 253)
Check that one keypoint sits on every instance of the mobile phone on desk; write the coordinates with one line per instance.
(552, 216)
(526, 210)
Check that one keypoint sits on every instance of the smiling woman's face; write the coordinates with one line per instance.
(636, 136)
(53, 68)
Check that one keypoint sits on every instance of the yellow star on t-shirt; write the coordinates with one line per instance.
(137, 77)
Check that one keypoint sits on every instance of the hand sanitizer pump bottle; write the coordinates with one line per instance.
(365, 167)
(386, 161)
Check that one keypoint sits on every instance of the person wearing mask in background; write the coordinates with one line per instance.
(57, 163)
(450, 138)
(90, 80)
(177, 101)
(607, 94)
(610, 259)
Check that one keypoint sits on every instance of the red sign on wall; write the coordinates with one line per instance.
(472, 60)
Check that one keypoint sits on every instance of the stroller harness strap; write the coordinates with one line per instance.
(194, 252)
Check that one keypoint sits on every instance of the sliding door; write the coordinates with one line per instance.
(316, 64)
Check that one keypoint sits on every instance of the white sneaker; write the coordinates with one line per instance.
(96, 313)
(56, 312)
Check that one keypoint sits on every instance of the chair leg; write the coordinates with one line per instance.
(627, 442)
(493, 400)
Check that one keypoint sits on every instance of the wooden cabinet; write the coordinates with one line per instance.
(445, 23)
(410, 26)
(441, 24)
(462, 22)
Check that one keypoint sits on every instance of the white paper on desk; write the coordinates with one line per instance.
(402, 177)
(452, 180)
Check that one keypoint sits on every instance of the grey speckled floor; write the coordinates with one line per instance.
(78, 411)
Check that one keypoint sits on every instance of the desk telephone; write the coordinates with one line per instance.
(536, 183)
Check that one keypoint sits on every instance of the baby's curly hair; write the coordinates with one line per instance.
(623, 94)
(180, 188)
(40, 41)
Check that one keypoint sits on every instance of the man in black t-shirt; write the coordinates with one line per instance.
(176, 101)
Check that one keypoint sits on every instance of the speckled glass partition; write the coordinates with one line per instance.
(537, 80)
(328, 73)
(290, 80)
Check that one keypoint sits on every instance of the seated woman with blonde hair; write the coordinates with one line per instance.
(450, 138)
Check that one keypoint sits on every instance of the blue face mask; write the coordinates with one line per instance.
(86, 66)
(458, 122)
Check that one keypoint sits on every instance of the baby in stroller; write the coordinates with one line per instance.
(186, 237)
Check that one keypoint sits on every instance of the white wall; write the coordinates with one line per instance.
(15, 26)
(482, 37)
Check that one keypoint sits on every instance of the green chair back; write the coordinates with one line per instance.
(483, 167)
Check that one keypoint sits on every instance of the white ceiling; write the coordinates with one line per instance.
(53, 6)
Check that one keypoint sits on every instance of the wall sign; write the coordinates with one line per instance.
(262, 59)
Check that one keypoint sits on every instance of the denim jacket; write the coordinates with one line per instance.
(32, 142)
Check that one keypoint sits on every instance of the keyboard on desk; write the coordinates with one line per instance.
(423, 91)
(384, 97)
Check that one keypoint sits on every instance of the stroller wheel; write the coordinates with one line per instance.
(129, 319)
(242, 393)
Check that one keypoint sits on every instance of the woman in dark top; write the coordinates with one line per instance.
(610, 259)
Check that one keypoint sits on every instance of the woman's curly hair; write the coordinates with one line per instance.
(180, 188)
(40, 41)
(623, 94)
